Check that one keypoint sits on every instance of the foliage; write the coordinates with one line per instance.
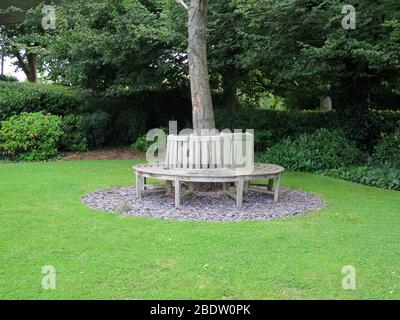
(74, 136)
(85, 131)
(96, 127)
(26, 42)
(262, 140)
(365, 128)
(301, 47)
(31, 136)
(128, 126)
(7, 78)
(383, 176)
(295, 49)
(135, 114)
(141, 144)
(388, 149)
(26, 97)
(92, 36)
(324, 149)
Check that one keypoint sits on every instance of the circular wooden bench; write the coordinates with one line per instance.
(241, 178)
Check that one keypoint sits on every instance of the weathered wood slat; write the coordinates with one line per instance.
(225, 150)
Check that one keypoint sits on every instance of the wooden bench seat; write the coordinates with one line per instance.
(241, 178)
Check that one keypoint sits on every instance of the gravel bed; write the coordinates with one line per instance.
(204, 206)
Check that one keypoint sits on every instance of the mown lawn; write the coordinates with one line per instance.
(102, 255)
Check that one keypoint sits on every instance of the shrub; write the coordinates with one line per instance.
(74, 136)
(141, 144)
(388, 149)
(97, 127)
(324, 149)
(382, 176)
(19, 97)
(31, 136)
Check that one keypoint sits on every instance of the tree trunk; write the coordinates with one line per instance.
(229, 85)
(202, 108)
(28, 65)
(32, 74)
(325, 103)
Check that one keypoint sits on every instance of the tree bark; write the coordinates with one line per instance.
(325, 102)
(29, 67)
(229, 85)
(32, 75)
(202, 108)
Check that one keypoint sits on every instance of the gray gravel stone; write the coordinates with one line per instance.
(204, 206)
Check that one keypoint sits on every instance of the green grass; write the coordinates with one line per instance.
(101, 255)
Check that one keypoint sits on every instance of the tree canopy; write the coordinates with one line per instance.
(295, 49)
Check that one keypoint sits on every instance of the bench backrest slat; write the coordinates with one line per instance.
(207, 152)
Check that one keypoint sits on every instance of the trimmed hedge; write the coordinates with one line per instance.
(134, 115)
(365, 128)
(82, 132)
(74, 136)
(19, 97)
(97, 126)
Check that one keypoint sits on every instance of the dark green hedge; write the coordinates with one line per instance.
(364, 127)
(16, 97)
(83, 132)
(132, 116)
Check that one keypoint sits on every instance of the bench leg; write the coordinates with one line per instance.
(239, 193)
(168, 186)
(139, 186)
(270, 184)
(277, 187)
(177, 193)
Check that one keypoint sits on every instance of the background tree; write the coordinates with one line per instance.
(226, 49)
(24, 42)
(301, 47)
(295, 49)
(112, 47)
